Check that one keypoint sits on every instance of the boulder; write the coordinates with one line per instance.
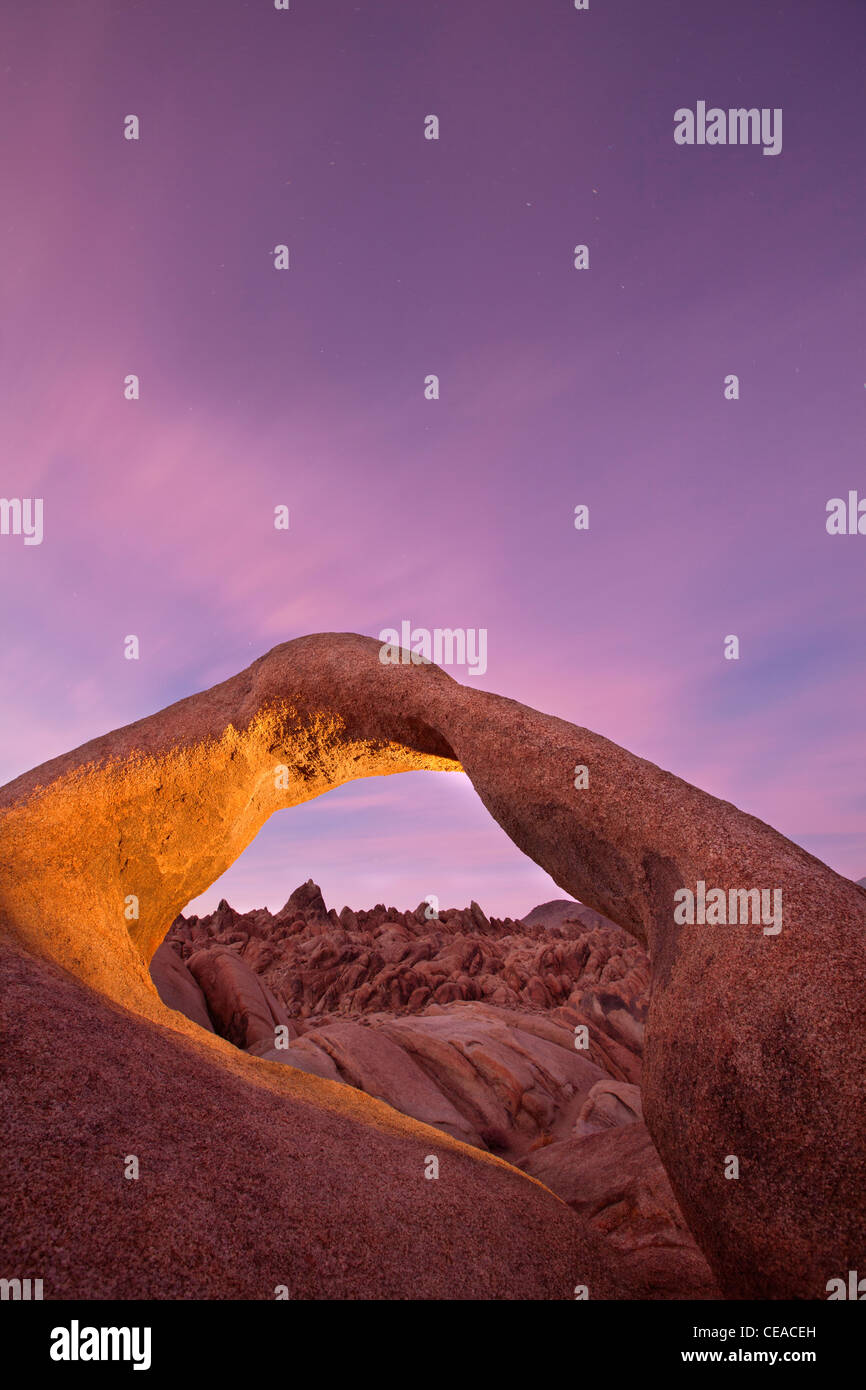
(608, 1105)
(177, 987)
(242, 1007)
(617, 1182)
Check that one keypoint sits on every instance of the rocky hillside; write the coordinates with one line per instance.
(521, 1038)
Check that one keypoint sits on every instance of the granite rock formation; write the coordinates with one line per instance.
(491, 1064)
(467, 1023)
(252, 1179)
(755, 1044)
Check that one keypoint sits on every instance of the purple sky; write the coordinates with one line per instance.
(558, 387)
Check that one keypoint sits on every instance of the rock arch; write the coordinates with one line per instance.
(756, 1044)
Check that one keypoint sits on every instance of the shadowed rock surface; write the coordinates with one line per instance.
(616, 1181)
(504, 1077)
(241, 1006)
(177, 987)
(244, 1186)
(755, 1044)
(464, 1022)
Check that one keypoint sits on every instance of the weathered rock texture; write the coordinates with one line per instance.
(615, 1180)
(465, 1023)
(249, 1179)
(318, 962)
(756, 1044)
(398, 1006)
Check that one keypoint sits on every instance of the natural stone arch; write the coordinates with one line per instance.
(755, 1044)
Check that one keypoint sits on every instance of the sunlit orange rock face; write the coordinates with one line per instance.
(755, 1044)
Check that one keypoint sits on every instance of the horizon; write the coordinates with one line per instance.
(389, 907)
